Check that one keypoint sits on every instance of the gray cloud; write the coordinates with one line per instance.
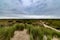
(29, 7)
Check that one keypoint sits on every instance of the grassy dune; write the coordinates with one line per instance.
(35, 29)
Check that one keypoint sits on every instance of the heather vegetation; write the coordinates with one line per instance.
(34, 28)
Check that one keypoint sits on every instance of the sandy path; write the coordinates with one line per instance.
(21, 35)
(51, 28)
(54, 38)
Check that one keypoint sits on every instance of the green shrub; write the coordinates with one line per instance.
(20, 26)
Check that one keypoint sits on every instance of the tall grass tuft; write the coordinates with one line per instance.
(19, 26)
(6, 33)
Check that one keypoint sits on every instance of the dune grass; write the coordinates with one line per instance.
(7, 32)
(35, 32)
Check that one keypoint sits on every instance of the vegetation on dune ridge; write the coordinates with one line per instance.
(35, 29)
(37, 32)
(7, 32)
(53, 23)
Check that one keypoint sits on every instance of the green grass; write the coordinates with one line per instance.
(35, 31)
(7, 32)
(53, 23)
(19, 26)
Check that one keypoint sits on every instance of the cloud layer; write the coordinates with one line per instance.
(29, 7)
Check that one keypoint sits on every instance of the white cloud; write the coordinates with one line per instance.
(31, 17)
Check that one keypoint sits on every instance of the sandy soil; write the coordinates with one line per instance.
(51, 28)
(21, 35)
(54, 38)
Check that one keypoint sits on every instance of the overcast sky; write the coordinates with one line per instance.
(17, 8)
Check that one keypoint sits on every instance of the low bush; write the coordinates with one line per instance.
(20, 26)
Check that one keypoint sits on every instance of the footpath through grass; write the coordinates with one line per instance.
(38, 32)
(35, 32)
(7, 32)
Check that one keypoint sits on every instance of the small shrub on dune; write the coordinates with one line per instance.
(20, 26)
